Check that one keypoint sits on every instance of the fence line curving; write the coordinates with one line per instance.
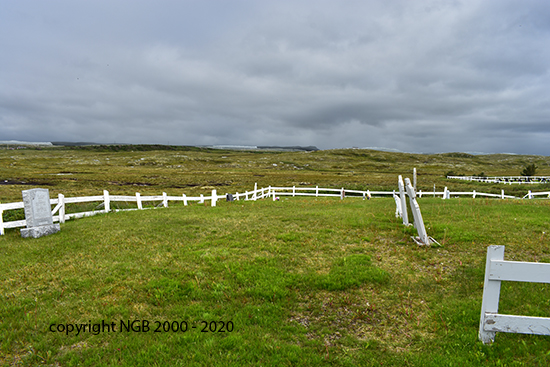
(60, 215)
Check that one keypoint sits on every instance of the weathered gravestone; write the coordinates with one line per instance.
(38, 214)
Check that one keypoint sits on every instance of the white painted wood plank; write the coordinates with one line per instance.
(517, 324)
(518, 271)
(122, 198)
(84, 199)
(85, 214)
(10, 206)
(15, 224)
(404, 213)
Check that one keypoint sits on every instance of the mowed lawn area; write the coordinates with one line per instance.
(296, 282)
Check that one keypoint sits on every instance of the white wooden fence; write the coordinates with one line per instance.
(505, 179)
(270, 191)
(496, 271)
(60, 215)
(106, 199)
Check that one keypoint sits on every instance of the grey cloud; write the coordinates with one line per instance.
(414, 76)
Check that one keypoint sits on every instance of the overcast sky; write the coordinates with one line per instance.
(416, 76)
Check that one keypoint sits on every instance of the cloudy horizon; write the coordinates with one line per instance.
(422, 76)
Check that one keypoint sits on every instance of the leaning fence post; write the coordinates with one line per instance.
(418, 221)
(397, 205)
(214, 197)
(107, 201)
(61, 199)
(138, 200)
(491, 293)
(404, 213)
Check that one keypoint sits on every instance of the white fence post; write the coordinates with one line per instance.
(254, 195)
(316, 191)
(201, 201)
(398, 209)
(164, 200)
(214, 197)
(184, 200)
(423, 238)
(342, 194)
(138, 200)
(293, 191)
(502, 194)
(404, 213)
(61, 204)
(474, 194)
(491, 293)
(107, 201)
(445, 193)
(414, 179)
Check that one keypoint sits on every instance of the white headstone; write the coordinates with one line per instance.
(38, 214)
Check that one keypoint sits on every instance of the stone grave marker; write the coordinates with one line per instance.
(38, 214)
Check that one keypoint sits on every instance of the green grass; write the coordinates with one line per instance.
(303, 281)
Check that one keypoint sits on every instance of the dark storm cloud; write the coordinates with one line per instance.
(416, 76)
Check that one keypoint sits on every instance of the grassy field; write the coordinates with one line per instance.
(301, 281)
(176, 170)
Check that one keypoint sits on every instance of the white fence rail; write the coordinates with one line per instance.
(496, 271)
(505, 179)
